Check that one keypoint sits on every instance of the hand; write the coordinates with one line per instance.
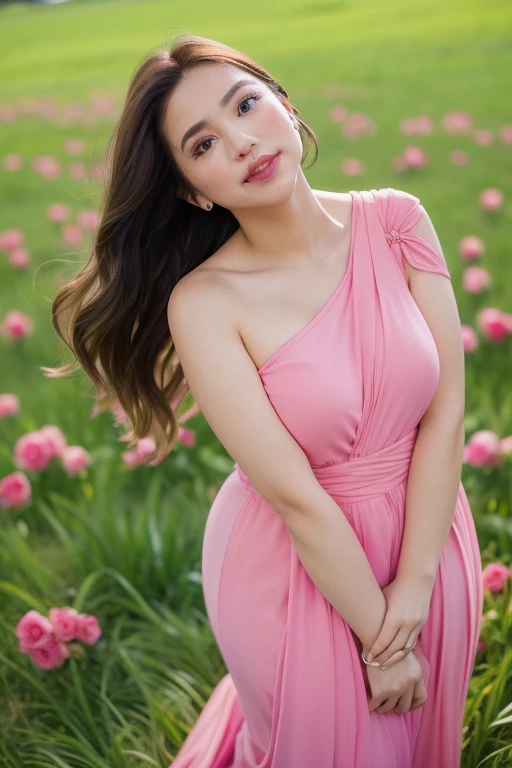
(407, 608)
(401, 688)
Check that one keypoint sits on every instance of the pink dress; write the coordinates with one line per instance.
(351, 387)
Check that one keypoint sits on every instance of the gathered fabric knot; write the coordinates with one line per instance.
(393, 236)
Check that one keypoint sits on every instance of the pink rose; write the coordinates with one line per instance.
(494, 576)
(9, 404)
(13, 162)
(16, 325)
(187, 436)
(469, 338)
(64, 622)
(11, 238)
(88, 629)
(88, 219)
(19, 258)
(483, 449)
(491, 199)
(483, 137)
(470, 247)
(72, 234)
(50, 655)
(15, 490)
(33, 631)
(459, 122)
(506, 444)
(506, 134)
(494, 323)
(56, 442)
(77, 170)
(74, 458)
(475, 279)
(32, 452)
(415, 157)
(57, 212)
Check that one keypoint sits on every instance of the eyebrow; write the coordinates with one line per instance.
(222, 103)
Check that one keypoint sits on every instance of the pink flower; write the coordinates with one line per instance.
(469, 338)
(415, 157)
(494, 576)
(506, 134)
(57, 212)
(187, 436)
(421, 125)
(50, 655)
(88, 219)
(483, 137)
(32, 452)
(72, 234)
(494, 323)
(74, 146)
(139, 455)
(88, 630)
(19, 258)
(65, 623)
(16, 325)
(13, 162)
(491, 199)
(33, 631)
(74, 459)
(56, 442)
(77, 170)
(481, 645)
(459, 157)
(338, 114)
(483, 449)
(47, 165)
(15, 490)
(475, 279)
(470, 247)
(9, 404)
(506, 444)
(11, 238)
(457, 122)
(351, 166)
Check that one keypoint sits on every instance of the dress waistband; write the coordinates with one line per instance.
(362, 477)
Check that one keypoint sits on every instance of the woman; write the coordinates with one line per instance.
(319, 335)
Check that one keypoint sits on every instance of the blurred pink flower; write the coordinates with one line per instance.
(358, 124)
(187, 436)
(338, 114)
(77, 170)
(469, 338)
(102, 105)
(50, 655)
(88, 219)
(19, 258)
(64, 622)
(72, 234)
(58, 212)
(491, 199)
(15, 490)
(8, 113)
(88, 629)
(13, 162)
(494, 576)
(483, 449)
(11, 238)
(483, 137)
(506, 444)
(47, 165)
(459, 157)
(475, 279)
(74, 146)
(506, 134)
(457, 122)
(351, 166)
(56, 442)
(139, 455)
(415, 157)
(9, 404)
(494, 323)
(420, 125)
(33, 631)
(74, 459)
(16, 325)
(470, 247)
(481, 645)
(32, 452)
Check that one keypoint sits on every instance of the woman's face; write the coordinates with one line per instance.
(243, 123)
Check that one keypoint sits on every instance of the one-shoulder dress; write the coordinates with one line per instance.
(351, 387)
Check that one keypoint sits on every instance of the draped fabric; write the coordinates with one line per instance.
(351, 387)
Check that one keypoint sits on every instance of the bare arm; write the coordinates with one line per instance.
(225, 383)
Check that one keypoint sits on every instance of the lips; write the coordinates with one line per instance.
(259, 161)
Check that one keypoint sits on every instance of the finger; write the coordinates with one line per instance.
(386, 636)
(388, 705)
(397, 656)
(397, 645)
(419, 695)
(404, 702)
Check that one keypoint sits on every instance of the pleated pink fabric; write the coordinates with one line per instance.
(351, 387)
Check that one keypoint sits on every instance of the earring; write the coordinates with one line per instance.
(208, 206)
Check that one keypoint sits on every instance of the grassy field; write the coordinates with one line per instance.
(125, 545)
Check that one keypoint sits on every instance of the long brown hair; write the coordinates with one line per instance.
(113, 313)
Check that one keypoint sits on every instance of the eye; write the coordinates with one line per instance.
(196, 152)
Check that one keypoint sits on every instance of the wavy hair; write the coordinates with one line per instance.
(112, 314)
